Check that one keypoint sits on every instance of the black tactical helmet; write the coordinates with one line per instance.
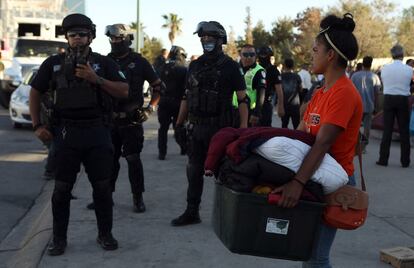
(119, 30)
(77, 20)
(264, 52)
(212, 28)
(176, 52)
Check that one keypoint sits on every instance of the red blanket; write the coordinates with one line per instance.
(237, 143)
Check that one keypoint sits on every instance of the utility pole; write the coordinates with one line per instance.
(138, 39)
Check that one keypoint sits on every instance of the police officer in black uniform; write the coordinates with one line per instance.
(273, 85)
(211, 82)
(81, 84)
(173, 74)
(129, 114)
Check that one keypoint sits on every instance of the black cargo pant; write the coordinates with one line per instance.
(199, 137)
(267, 113)
(167, 114)
(396, 106)
(92, 147)
(291, 111)
(128, 141)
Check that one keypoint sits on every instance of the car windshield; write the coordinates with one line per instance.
(37, 48)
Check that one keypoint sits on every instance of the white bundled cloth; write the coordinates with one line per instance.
(290, 153)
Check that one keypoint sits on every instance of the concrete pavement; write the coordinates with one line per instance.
(148, 240)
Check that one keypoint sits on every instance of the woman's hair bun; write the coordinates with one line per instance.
(341, 24)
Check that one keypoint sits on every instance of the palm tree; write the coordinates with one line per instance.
(173, 23)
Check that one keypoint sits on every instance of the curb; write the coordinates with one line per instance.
(27, 241)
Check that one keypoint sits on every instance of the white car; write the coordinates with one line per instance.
(19, 101)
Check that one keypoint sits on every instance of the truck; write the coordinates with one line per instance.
(37, 39)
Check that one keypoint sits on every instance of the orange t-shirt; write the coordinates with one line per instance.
(342, 106)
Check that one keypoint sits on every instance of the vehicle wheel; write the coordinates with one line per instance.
(17, 125)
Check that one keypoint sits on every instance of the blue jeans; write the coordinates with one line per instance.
(323, 243)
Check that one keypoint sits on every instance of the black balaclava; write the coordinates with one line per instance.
(120, 48)
(264, 61)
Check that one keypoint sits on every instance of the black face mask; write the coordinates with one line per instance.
(120, 48)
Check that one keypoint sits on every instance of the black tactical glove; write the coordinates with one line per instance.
(180, 135)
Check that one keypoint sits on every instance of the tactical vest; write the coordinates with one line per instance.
(135, 97)
(73, 97)
(167, 76)
(206, 98)
(250, 91)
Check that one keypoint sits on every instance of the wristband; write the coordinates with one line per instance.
(299, 181)
(37, 126)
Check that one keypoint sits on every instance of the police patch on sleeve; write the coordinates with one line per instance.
(121, 74)
(263, 74)
(241, 71)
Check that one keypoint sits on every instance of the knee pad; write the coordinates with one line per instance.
(133, 158)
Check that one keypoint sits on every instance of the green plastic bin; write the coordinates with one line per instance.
(247, 224)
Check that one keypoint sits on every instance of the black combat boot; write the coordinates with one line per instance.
(190, 216)
(57, 246)
(107, 241)
(161, 156)
(139, 205)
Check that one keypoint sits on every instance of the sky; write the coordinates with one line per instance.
(227, 12)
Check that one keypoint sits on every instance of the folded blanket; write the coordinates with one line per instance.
(290, 153)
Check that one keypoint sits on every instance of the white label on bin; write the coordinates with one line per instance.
(277, 226)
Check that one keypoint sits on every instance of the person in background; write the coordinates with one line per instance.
(305, 77)
(368, 85)
(333, 116)
(292, 87)
(173, 74)
(410, 62)
(160, 60)
(396, 78)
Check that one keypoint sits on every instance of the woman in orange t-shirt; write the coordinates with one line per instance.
(333, 115)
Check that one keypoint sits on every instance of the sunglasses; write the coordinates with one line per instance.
(249, 54)
(80, 34)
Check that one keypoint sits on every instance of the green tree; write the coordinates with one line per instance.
(307, 25)
(173, 23)
(249, 27)
(261, 37)
(151, 49)
(373, 27)
(282, 39)
(405, 31)
(231, 47)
